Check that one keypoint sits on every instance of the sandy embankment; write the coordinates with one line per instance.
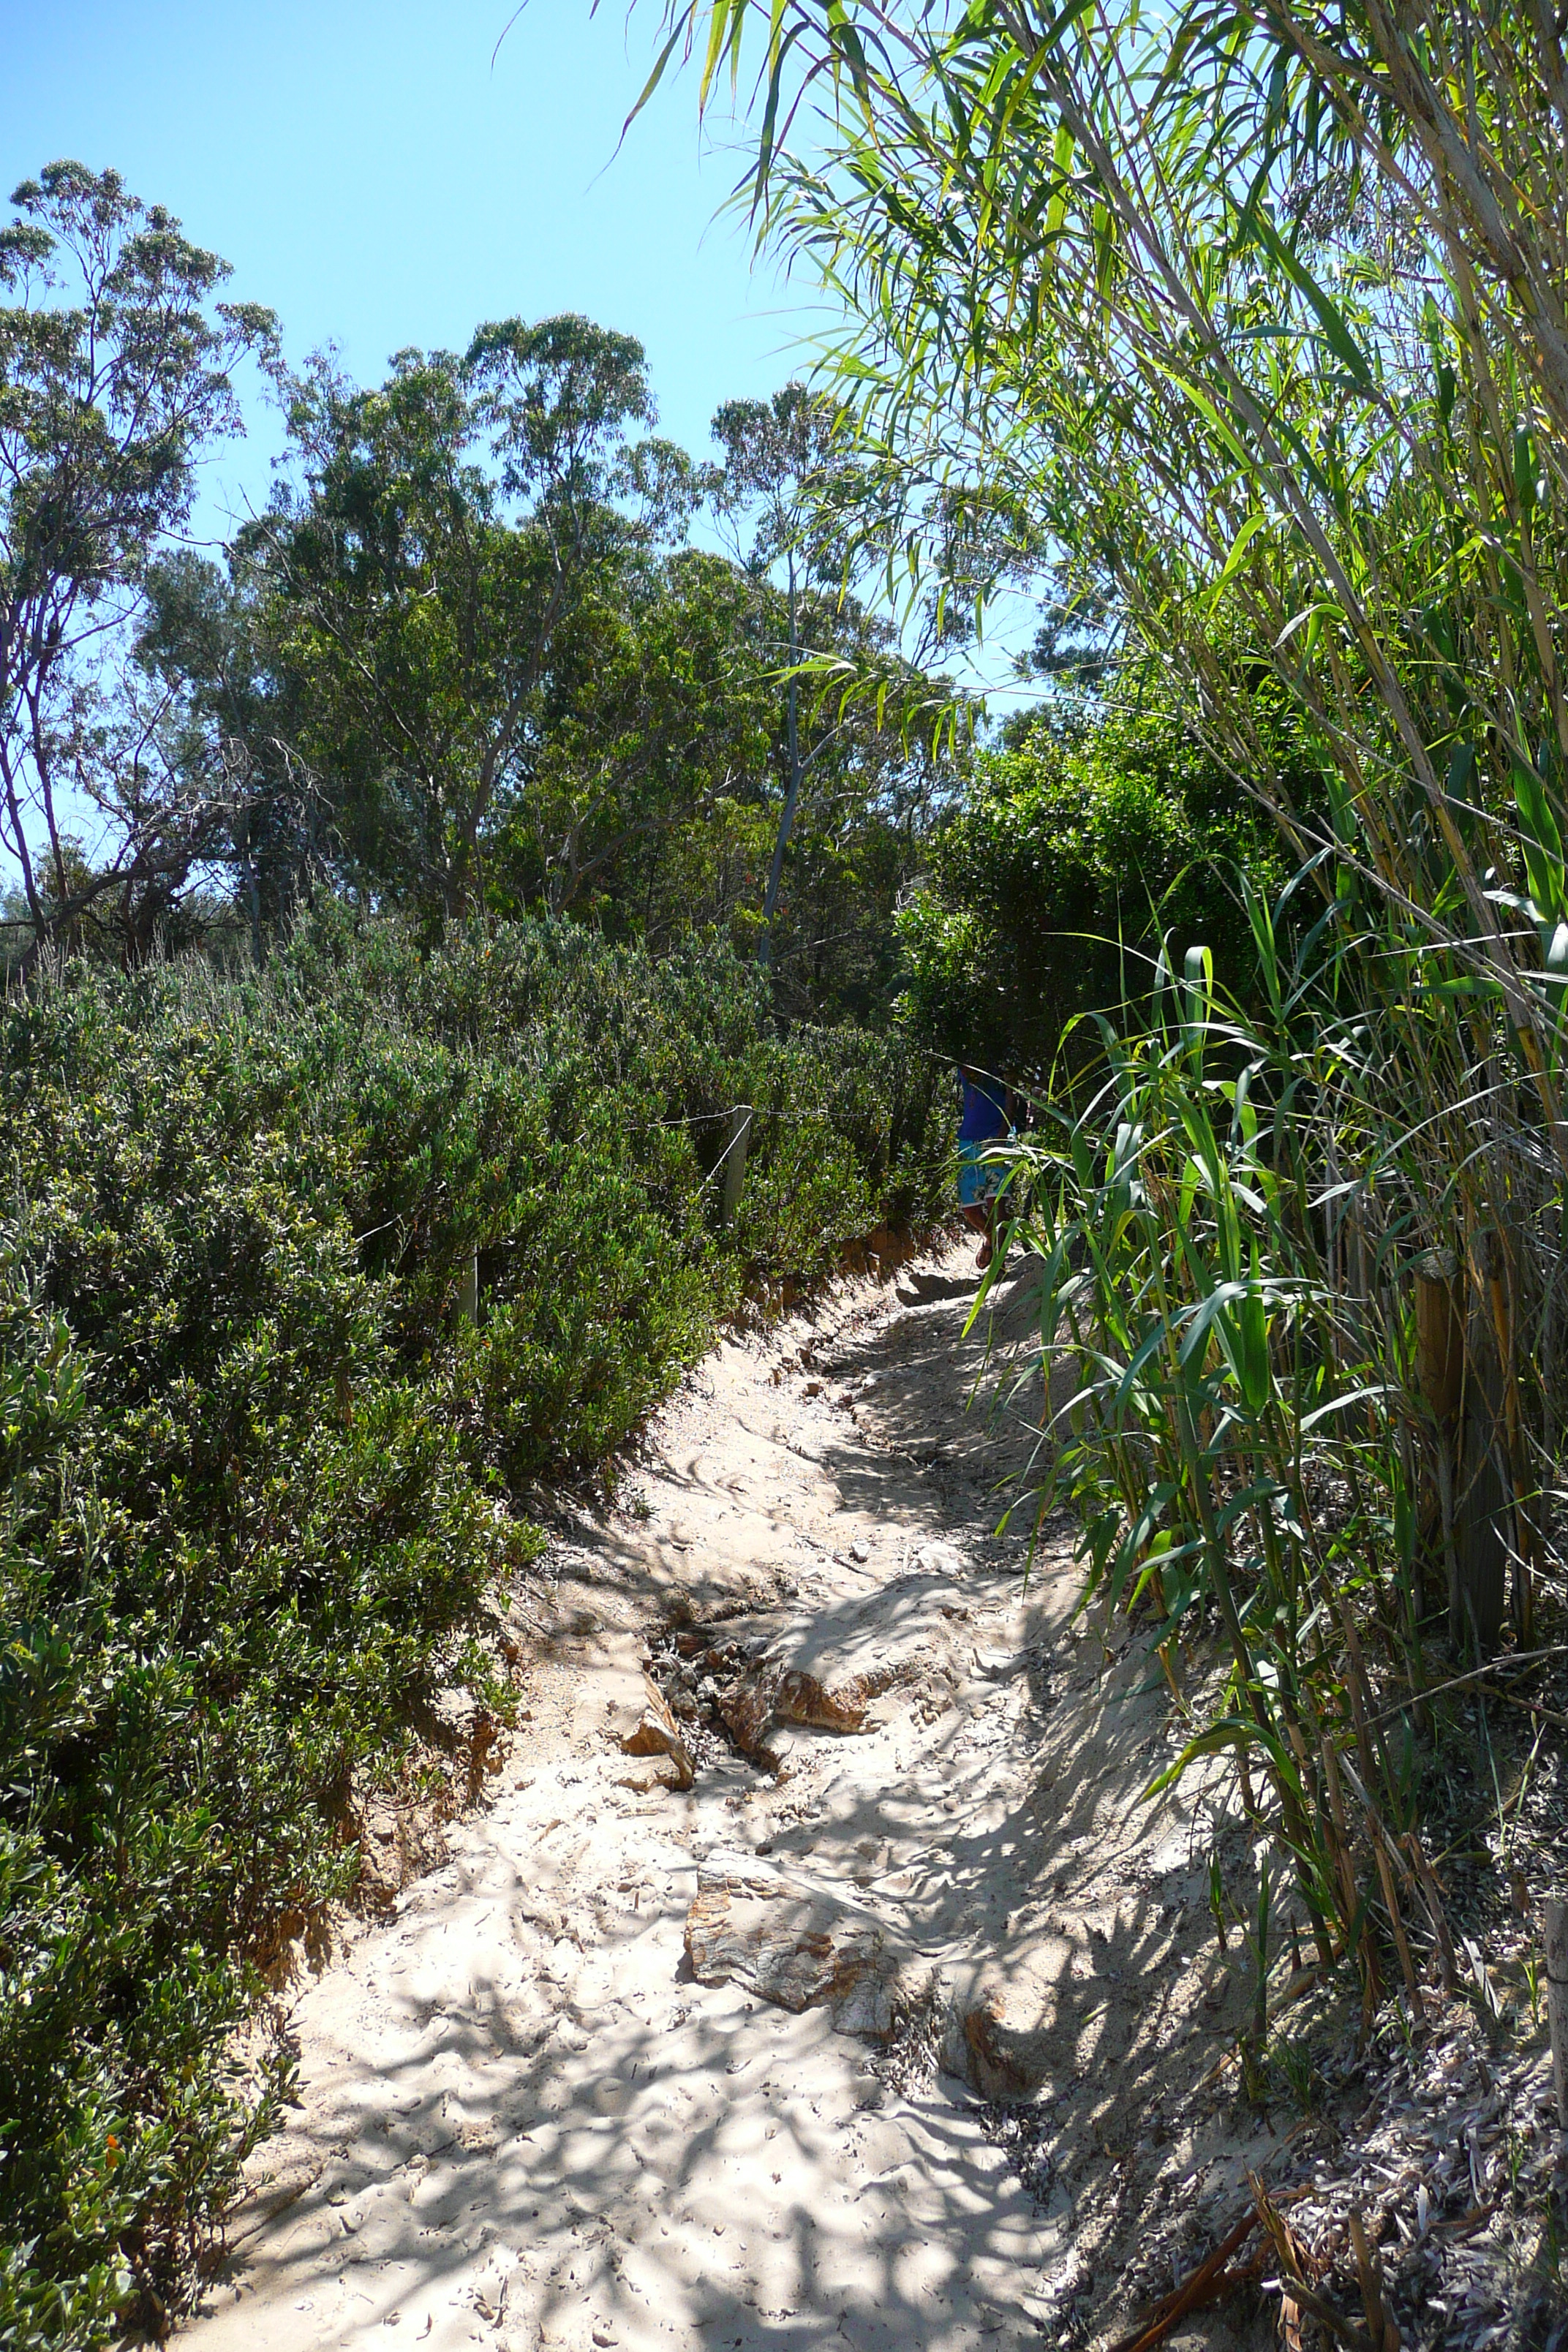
(525, 2121)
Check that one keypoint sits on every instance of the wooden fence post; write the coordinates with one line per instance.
(1555, 1920)
(735, 1149)
(469, 1290)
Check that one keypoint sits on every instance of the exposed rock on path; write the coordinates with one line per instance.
(656, 2057)
(805, 1945)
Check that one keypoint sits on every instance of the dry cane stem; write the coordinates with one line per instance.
(1411, 1983)
(1383, 1850)
(1498, 1288)
(1360, 1693)
(1371, 2284)
(1192, 2292)
(1371, 1977)
(1431, 1894)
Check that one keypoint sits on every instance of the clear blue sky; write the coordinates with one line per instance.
(370, 174)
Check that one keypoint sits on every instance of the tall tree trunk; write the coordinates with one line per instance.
(253, 899)
(792, 796)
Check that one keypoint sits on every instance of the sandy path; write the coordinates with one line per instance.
(524, 2122)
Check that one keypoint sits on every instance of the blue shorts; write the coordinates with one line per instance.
(976, 1183)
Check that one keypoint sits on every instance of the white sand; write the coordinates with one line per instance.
(522, 2123)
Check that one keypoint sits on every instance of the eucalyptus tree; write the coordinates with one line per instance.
(781, 466)
(646, 796)
(806, 502)
(656, 723)
(116, 369)
(448, 526)
(234, 725)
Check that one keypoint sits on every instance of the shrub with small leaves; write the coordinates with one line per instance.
(259, 1479)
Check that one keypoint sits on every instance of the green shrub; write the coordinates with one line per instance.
(1051, 889)
(256, 1483)
(803, 1200)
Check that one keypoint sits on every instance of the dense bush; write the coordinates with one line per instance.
(257, 1482)
(1050, 889)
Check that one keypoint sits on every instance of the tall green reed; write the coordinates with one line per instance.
(1238, 1217)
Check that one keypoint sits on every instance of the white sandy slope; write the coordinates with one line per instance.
(523, 2123)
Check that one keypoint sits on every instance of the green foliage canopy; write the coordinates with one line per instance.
(116, 364)
(1053, 887)
(448, 525)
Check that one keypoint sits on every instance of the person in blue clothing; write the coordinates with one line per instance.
(985, 1121)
